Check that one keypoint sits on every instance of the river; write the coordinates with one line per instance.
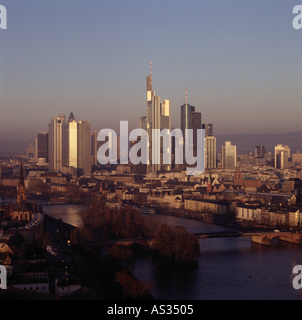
(228, 268)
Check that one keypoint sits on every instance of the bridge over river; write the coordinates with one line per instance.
(263, 238)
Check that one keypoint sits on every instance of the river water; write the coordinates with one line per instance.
(228, 268)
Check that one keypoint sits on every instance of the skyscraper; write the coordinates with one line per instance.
(42, 146)
(84, 148)
(158, 117)
(165, 123)
(282, 155)
(210, 152)
(259, 151)
(186, 111)
(186, 118)
(57, 139)
(79, 146)
(73, 144)
(208, 129)
(69, 144)
(229, 155)
(190, 119)
(94, 148)
(196, 122)
(143, 123)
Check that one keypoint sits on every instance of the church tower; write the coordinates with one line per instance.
(21, 195)
(237, 177)
(209, 185)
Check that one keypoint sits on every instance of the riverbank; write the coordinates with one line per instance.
(217, 219)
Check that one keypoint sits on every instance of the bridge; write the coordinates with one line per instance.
(263, 238)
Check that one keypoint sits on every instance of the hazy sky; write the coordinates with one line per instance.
(241, 61)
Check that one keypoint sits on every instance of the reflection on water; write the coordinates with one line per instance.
(229, 268)
(70, 213)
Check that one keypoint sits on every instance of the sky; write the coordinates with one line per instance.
(240, 60)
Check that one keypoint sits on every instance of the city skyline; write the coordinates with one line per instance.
(241, 64)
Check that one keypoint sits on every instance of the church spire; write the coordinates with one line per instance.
(21, 196)
(21, 179)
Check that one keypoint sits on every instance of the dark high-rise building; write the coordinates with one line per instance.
(190, 119)
(42, 146)
(196, 123)
(208, 129)
(260, 151)
(186, 111)
(94, 148)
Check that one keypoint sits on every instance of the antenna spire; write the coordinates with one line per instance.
(151, 71)
(186, 96)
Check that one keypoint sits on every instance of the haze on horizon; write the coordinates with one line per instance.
(241, 62)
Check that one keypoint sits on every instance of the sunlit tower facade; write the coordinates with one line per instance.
(57, 134)
(158, 117)
(229, 155)
(80, 146)
(282, 155)
(210, 152)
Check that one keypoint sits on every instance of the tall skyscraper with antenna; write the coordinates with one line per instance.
(158, 117)
(190, 119)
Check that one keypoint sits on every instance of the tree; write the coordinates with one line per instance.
(165, 240)
(177, 245)
(186, 246)
(108, 223)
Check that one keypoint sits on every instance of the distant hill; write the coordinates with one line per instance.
(12, 147)
(246, 142)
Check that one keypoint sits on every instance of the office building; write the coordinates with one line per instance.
(260, 151)
(143, 123)
(79, 146)
(190, 119)
(94, 148)
(208, 129)
(282, 156)
(42, 146)
(31, 150)
(186, 122)
(297, 157)
(58, 143)
(69, 145)
(210, 152)
(229, 155)
(73, 144)
(158, 117)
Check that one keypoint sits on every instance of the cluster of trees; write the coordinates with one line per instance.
(176, 246)
(102, 223)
